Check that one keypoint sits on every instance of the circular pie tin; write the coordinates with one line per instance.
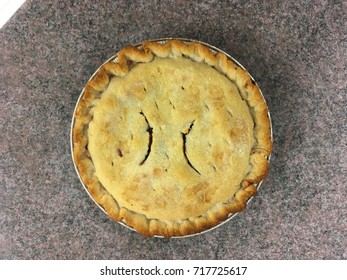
(114, 58)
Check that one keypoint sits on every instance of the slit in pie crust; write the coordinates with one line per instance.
(171, 137)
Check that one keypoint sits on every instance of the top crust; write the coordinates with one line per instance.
(171, 138)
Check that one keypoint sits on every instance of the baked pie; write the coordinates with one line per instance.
(171, 137)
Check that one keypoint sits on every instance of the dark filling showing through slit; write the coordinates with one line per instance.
(184, 138)
(150, 139)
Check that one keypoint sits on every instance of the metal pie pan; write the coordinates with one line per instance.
(114, 58)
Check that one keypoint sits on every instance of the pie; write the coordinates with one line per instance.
(171, 137)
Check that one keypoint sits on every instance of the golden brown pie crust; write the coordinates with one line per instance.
(171, 137)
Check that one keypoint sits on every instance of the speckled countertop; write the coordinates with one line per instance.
(296, 51)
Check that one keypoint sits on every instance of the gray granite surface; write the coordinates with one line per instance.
(296, 51)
